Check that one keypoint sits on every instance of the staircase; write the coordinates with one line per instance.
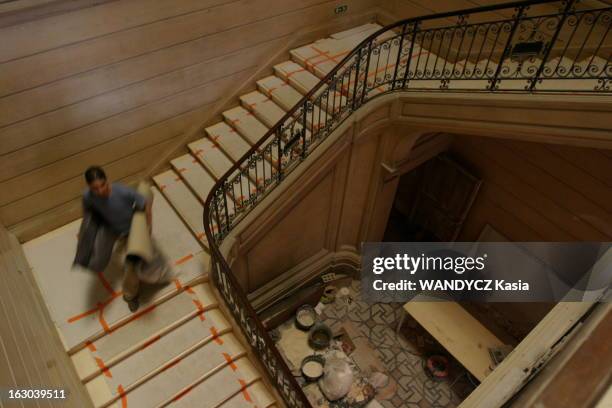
(193, 175)
(178, 349)
(181, 348)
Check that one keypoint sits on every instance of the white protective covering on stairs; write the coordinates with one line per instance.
(179, 349)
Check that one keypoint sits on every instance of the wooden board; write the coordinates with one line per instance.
(460, 333)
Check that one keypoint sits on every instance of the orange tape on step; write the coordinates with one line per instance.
(136, 316)
(319, 54)
(170, 365)
(102, 320)
(230, 361)
(103, 367)
(90, 346)
(215, 334)
(149, 342)
(99, 309)
(245, 392)
(295, 72)
(183, 393)
(200, 308)
(183, 259)
(82, 315)
(106, 284)
(180, 286)
(122, 395)
(274, 88)
(325, 55)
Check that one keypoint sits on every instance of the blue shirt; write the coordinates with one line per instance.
(117, 209)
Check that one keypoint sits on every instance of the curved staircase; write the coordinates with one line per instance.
(181, 348)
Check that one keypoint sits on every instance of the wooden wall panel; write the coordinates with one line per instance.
(25, 73)
(114, 82)
(31, 353)
(38, 120)
(50, 150)
(70, 28)
(29, 183)
(538, 192)
(72, 188)
(295, 237)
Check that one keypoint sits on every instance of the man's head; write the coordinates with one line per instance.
(97, 182)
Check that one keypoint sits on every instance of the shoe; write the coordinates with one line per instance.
(133, 304)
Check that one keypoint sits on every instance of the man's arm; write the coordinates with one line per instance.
(87, 214)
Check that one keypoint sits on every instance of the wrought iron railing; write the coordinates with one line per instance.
(527, 47)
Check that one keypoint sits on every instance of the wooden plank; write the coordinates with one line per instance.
(56, 148)
(586, 375)
(7, 376)
(20, 360)
(485, 212)
(527, 357)
(72, 166)
(76, 88)
(25, 324)
(41, 114)
(566, 171)
(574, 202)
(521, 184)
(50, 359)
(520, 208)
(25, 73)
(56, 31)
(598, 163)
(458, 332)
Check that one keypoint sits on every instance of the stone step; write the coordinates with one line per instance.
(368, 28)
(255, 395)
(228, 139)
(245, 123)
(193, 173)
(287, 97)
(198, 180)
(211, 157)
(281, 92)
(147, 326)
(304, 81)
(187, 205)
(95, 307)
(231, 380)
(323, 55)
(264, 108)
(157, 355)
(209, 363)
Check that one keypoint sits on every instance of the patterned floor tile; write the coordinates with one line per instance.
(401, 354)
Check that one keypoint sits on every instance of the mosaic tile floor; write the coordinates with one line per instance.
(401, 354)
